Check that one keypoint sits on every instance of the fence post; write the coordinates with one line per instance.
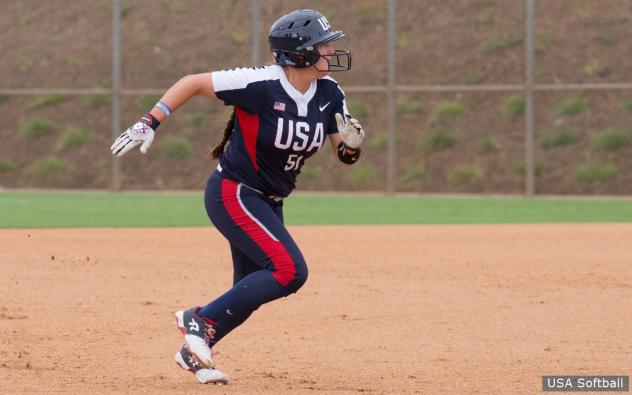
(529, 133)
(116, 88)
(255, 10)
(390, 98)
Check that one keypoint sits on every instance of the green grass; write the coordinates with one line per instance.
(501, 42)
(488, 145)
(362, 174)
(595, 172)
(47, 166)
(7, 165)
(607, 38)
(4, 99)
(310, 173)
(471, 78)
(37, 128)
(75, 137)
(147, 102)
(176, 148)
(611, 140)
(513, 107)
(465, 174)
(449, 109)
(358, 109)
(438, 140)
(194, 119)
(104, 209)
(238, 37)
(97, 100)
(558, 138)
(543, 42)
(409, 108)
(44, 101)
(379, 142)
(415, 175)
(573, 105)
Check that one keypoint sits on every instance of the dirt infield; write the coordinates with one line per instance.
(387, 309)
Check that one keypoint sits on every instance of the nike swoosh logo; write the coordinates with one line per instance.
(323, 107)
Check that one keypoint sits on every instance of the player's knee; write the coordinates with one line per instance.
(300, 275)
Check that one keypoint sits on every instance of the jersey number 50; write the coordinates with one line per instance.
(293, 162)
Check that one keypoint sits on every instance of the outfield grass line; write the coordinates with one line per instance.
(126, 209)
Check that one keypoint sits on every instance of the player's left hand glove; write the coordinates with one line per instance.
(140, 132)
(350, 130)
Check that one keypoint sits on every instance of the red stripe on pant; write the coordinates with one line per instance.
(275, 250)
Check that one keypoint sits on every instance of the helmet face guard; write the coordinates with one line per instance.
(295, 37)
(339, 61)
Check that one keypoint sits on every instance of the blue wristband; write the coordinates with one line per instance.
(164, 108)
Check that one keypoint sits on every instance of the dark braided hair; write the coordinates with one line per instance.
(219, 149)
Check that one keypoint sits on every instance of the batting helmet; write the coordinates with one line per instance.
(293, 39)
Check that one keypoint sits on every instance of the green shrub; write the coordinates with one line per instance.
(238, 37)
(362, 174)
(178, 6)
(591, 172)
(514, 106)
(488, 145)
(538, 168)
(439, 140)
(380, 142)
(194, 119)
(48, 165)
(409, 108)
(558, 138)
(177, 148)
(471, 78)
(4, 99)
(485, 17)
(357, 109)
(311, 173)
(501, 42)
(627, 105)
(464, 175)
(595, 67)
(7, 165)
(44, 101)
(75, 137)
(449, 109)
(404, 41)
(610, 140)
(371, 15)
(607, 38)
(543, 42)
(147, 102)
(572, 105)
(97, 100)
(415, 175)
(37, 128)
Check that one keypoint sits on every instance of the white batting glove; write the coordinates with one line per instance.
(140, 132)
(350, 130)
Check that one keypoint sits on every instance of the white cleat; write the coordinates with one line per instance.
(197, 334)
(186, 361)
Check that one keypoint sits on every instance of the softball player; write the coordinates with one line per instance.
(282, 114)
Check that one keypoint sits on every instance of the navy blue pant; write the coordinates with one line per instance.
(267, 263)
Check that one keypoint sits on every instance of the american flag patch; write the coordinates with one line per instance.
(279, 106)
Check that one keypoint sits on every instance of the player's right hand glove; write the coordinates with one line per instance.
(350, 130)
(140, 132)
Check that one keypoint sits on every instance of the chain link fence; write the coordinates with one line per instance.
(455, 96)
